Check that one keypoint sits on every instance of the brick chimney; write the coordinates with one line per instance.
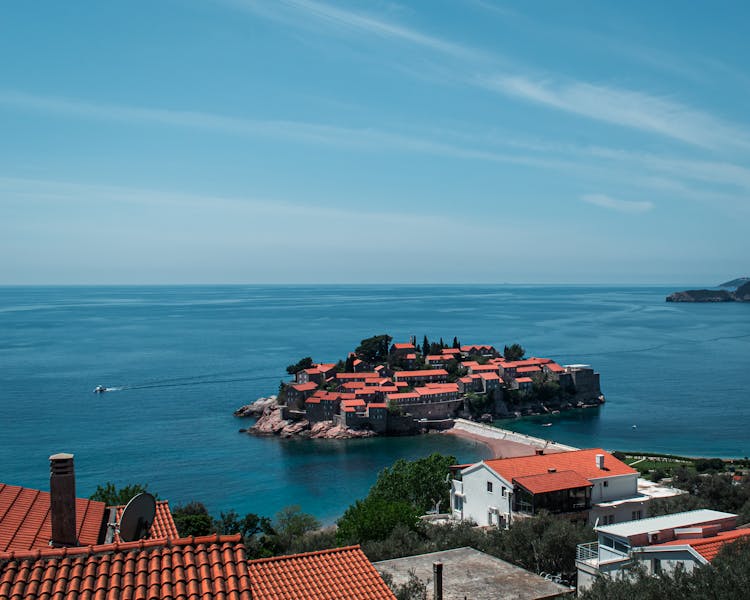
(62, 491)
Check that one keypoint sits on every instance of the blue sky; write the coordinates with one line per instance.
(319, 141)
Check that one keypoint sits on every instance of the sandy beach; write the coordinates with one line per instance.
(498, 448)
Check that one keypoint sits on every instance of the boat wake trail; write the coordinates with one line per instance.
(206, 379)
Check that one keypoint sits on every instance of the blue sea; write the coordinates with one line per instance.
(187, 356)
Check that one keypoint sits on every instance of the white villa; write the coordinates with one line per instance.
(603, 489)
(658, 543)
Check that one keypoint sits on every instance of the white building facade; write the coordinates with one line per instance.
(592, 483)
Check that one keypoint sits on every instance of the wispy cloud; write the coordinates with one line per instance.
(366, 139)
(347, 20)
(623, 206)
(624, 107)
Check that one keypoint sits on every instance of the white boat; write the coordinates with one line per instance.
(546, 424)
(100, 389)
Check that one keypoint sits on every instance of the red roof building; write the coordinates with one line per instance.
(338, 574)
(203, 568)
(708, 547)
(583, 462)
(590, 483)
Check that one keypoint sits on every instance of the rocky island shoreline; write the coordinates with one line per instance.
(736, 293)
(272, 422)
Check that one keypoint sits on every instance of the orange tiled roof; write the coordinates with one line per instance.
(363, 375)
(403, 346)
(436, 388)
(487, 368)
(552, 482)
(525, 380)
(530, 369)
(402, 396)
(582, 462)
(377, 405)
(451, 351)
(338, 574)
(709, 547)
(305, 387)
(25, 519)
(201, 568)
(493, 376)
(163, 525)
(422, 373)
(411, 356)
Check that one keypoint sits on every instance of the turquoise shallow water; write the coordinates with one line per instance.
(189, 355)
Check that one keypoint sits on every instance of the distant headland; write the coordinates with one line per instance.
(385, 388)
(737, 290)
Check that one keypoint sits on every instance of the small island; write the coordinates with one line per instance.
(404, 388)
(737, 290)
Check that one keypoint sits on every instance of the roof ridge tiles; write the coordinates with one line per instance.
(304, 554)
(100, 549)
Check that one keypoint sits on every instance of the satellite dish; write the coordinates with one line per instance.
(137, 517)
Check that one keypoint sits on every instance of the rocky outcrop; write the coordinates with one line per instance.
(272, 423)
(701, 296)
(741, 294)
(255, 409)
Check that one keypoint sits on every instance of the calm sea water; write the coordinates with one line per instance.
(186, 357)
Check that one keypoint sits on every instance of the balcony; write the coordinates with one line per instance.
(588, 553)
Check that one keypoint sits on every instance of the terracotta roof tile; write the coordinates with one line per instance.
(305, 387)
(709, 547)
(197, 568)
(582, 462)
(163, 525)
(338, 574)
(552, 482)
(422, 373)
(25, 519)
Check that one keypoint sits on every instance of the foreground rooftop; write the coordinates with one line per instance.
(469, 573)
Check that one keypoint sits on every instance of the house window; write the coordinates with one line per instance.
(504, 491)
(489, 486)
(608, 519)
(636, 515)
(657, 566)
(605, 483)
(458, 503)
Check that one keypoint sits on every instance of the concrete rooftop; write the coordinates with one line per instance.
(473, 575)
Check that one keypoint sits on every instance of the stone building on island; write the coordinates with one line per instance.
(408, 387)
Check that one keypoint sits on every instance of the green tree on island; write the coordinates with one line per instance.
(514, 352)
(374, 349)
(304, 363)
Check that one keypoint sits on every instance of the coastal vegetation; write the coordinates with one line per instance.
(716, 490)
(114, 496)
(655, 466)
